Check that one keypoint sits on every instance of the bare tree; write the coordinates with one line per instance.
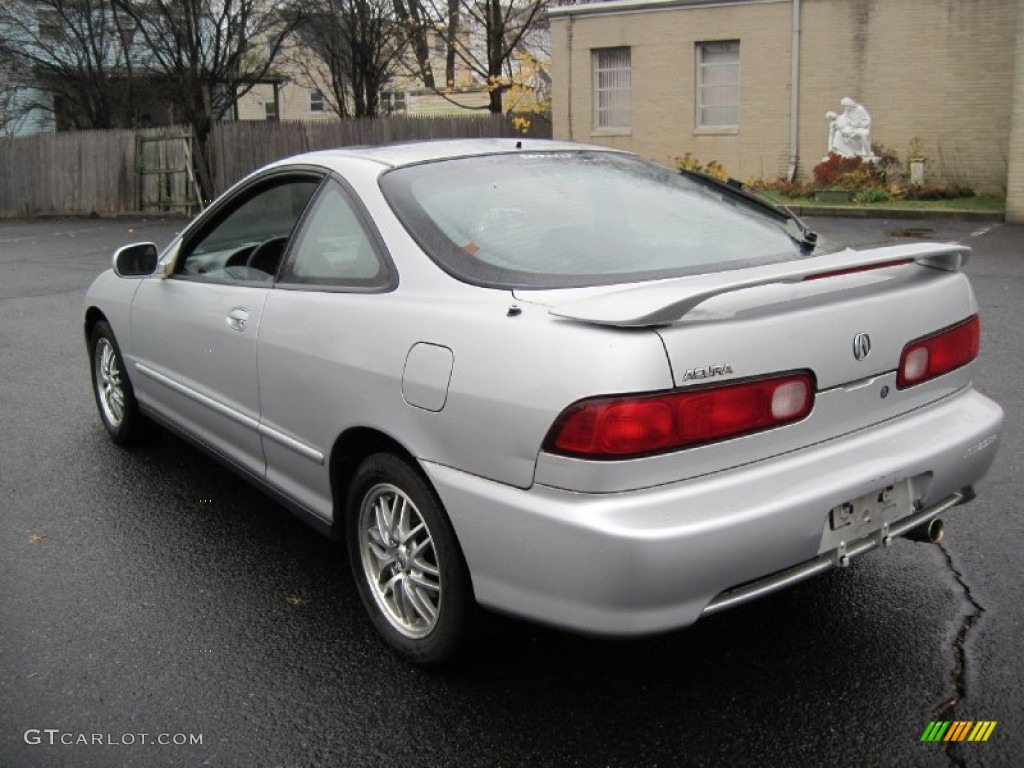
(208, 53)
(505, 27)
(418, 20)
(353, 46)
(318, 58)
(374, 50)
(490, 39)
(8, 94)
(451, 34)
(72, 51)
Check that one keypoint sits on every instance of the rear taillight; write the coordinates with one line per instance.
(623, 427)
(939, 353)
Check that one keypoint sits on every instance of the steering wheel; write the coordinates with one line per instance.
(267, 255)
(240, 258)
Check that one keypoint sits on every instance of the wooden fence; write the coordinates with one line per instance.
(166, 173)
(98, 172)
(76, 172)
(242, 147)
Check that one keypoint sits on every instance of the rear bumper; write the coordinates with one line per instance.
(655, 559)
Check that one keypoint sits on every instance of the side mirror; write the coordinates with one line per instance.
(136, 260)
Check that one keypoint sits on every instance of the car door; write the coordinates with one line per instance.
(194, 333)
(322, 350)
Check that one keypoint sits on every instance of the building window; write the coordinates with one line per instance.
(392, 101)
(270, 110)
(440, 45)
(611, 88)
(316, 100)
(51, 28)
(718, 84)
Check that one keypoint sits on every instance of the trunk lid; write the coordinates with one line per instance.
(798, 315)
(770, 320)
(820, 326)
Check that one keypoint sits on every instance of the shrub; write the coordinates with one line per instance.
(881, 176)
(924, 192)
(690, 163)
(872, 195)
(888, 165)
(828, 172)
(862, 178)
(780, 187)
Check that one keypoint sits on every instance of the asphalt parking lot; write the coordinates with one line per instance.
(153, 592)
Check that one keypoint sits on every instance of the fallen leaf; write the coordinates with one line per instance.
(295, 600)
(35, 538)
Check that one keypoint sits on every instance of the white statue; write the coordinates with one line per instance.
(849, 133)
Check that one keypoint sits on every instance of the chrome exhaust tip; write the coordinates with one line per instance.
(930, 533)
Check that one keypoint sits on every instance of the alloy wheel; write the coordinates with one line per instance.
(400, 561)
(108, 383)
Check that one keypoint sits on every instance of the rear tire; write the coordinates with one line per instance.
(115, 397)
(406, 561)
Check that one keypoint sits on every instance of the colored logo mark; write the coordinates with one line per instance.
(958, 730)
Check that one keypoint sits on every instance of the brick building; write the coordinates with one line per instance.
(748, 82)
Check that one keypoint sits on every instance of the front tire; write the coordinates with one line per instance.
(407, 563)
(115, 397)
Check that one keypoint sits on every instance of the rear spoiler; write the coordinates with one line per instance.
(666, 301)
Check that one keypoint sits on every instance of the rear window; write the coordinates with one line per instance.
(552, 220)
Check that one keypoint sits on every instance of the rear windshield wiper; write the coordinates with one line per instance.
(804, 236)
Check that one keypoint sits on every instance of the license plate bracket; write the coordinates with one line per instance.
(860, 517)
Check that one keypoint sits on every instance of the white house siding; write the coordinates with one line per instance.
(28, 122)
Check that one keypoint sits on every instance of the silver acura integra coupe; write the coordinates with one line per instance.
(554, 380)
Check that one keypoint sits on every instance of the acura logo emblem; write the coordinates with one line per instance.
(861, 346)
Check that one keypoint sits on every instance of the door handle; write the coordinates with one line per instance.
(236, 318)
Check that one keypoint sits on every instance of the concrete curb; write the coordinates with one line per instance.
(154, 215)
(129, 215)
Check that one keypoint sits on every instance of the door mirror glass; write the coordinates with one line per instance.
(137, 260)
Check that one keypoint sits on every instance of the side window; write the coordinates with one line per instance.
(248, 243)
(334, 247)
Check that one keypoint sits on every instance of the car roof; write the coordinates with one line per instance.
(411, 153)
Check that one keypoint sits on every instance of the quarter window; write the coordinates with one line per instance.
(612, 88)
(334, 248)
(718, 84)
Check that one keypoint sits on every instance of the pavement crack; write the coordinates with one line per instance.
(958, 676)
